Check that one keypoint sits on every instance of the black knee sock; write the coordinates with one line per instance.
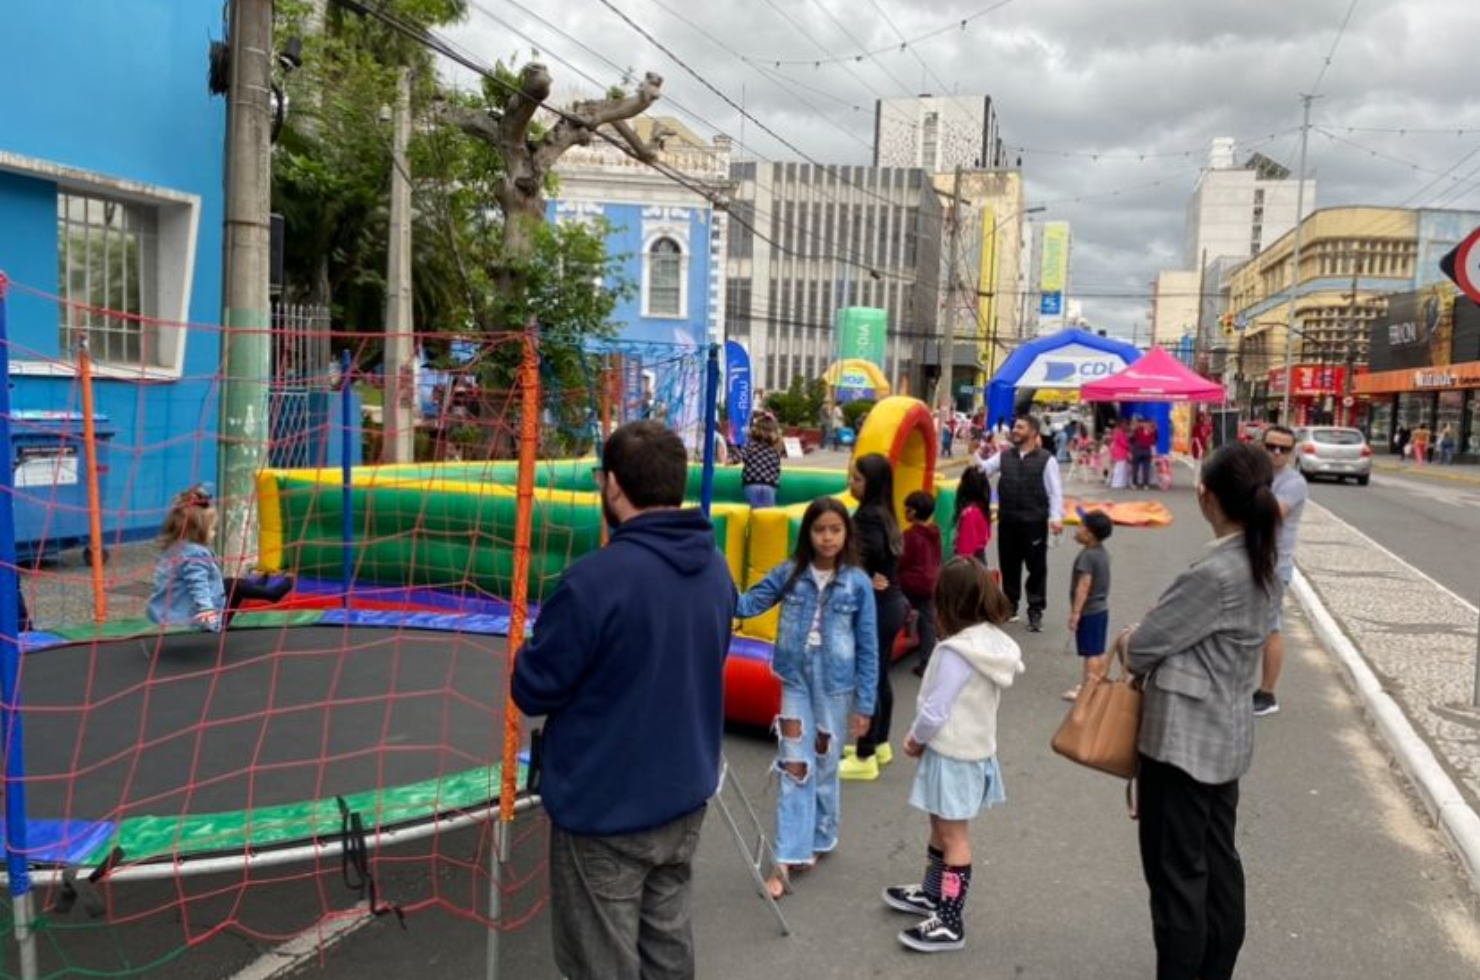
(955, 883)
(935, 863)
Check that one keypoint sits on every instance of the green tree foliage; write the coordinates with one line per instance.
(331, 181)
(800, 404)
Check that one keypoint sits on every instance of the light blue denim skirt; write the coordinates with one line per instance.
(955, 789)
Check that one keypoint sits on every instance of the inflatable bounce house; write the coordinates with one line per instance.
(433, 540)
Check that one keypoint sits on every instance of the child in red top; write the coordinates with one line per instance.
(919, 567)
(973, 514)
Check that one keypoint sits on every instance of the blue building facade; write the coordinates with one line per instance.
(112, 198)
(669, 251)
(669, 242)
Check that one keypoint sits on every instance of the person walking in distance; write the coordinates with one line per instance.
(1291, 490)
(1198, 649)
(644, 621)
(1030, 506)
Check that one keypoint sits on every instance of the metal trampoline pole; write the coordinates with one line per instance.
(16, 862)
(711, 400)
(513, 735)
(346, 471)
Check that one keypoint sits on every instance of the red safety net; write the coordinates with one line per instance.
(342, 748)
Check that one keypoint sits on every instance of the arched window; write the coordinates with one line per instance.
(665, 278)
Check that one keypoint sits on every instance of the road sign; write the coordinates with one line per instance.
(1462, 265)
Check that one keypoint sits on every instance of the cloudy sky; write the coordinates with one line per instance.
(1112, 102)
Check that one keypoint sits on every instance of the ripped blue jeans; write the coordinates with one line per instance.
(807, 806)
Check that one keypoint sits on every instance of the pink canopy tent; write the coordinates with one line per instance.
(1157, 377)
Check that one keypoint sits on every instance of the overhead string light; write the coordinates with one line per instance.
(1143, 156)
(860, 56)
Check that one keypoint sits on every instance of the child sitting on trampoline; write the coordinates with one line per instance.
(188, 587)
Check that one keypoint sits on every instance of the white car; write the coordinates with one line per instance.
(1328, 450)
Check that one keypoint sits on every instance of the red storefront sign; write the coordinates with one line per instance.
(1310, 379)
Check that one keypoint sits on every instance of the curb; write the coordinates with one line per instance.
(1441, 797)
(1431, 472)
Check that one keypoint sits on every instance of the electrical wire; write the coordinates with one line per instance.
(859, 56)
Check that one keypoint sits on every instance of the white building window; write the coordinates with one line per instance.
(930, 142)
(665, 279)
(107, 272)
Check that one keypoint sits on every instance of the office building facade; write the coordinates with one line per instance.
(805, 241)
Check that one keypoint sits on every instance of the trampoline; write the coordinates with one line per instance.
(197, 747)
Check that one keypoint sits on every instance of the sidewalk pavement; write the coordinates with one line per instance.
(1409, 645)
(1455, 472)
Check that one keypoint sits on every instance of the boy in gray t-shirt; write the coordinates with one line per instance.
(1089, 595)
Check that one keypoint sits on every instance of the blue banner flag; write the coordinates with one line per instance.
(737, 390)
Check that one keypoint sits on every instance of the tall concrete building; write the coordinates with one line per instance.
(806, 241)
(1174, 310)
(1238, 209)
(938, 133)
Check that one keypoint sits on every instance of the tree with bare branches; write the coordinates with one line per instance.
(529, 153)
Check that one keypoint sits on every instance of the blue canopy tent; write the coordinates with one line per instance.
(1066, 360)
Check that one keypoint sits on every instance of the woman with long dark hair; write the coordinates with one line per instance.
(1199, 649)
(880, 543)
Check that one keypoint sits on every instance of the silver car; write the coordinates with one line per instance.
(1325, 450)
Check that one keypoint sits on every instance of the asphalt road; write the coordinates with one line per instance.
(1346, 877)
(1432, 524)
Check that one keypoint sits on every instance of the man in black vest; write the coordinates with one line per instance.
(1030, 505)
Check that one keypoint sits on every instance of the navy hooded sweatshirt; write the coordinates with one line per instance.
(627, 665)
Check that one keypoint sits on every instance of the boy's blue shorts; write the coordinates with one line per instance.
(1093, 633)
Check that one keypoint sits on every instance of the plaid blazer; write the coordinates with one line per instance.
(1201, 645)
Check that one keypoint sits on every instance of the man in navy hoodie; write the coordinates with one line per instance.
(627, 666)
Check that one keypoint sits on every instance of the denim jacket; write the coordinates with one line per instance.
(187, 581)
(850, 640)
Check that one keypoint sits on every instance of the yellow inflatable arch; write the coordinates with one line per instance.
(903, 430)
(876, 379)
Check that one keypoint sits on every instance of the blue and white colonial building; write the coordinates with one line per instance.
(112, 197)
(668, 239)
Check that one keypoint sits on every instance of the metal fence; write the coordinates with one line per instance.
(303, 379)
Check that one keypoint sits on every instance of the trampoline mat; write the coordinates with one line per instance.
(200, 723)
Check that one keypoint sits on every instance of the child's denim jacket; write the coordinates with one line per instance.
(187, 581)
(849, 627)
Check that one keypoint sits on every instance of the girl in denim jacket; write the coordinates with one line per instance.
(188, 587)
(826, 658)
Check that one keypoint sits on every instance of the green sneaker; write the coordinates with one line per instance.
(884, 754)
(856, 768)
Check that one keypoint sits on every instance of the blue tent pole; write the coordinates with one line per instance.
(16, 863)
(346, 466)
(711, 420)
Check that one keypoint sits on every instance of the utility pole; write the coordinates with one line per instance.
(946, 391)
(1347, 412)
(398, 417)
(1295, 262)
(247, 338)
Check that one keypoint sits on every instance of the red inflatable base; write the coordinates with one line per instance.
(752, 692)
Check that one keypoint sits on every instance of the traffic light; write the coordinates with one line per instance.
(1226, 322)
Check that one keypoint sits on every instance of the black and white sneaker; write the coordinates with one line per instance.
(932, 936)
(911, 899)
(1035, 623)
(1265, 704)
(1014, 618)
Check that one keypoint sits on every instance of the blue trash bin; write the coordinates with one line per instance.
(49, 480)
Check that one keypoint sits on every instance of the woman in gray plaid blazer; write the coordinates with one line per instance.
(1200, 649)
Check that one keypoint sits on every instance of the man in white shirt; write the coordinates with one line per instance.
(1291, 491)
(1030, 506)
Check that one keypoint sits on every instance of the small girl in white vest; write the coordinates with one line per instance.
(955, 738)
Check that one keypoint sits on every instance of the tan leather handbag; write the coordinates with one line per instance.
(1101, 728)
